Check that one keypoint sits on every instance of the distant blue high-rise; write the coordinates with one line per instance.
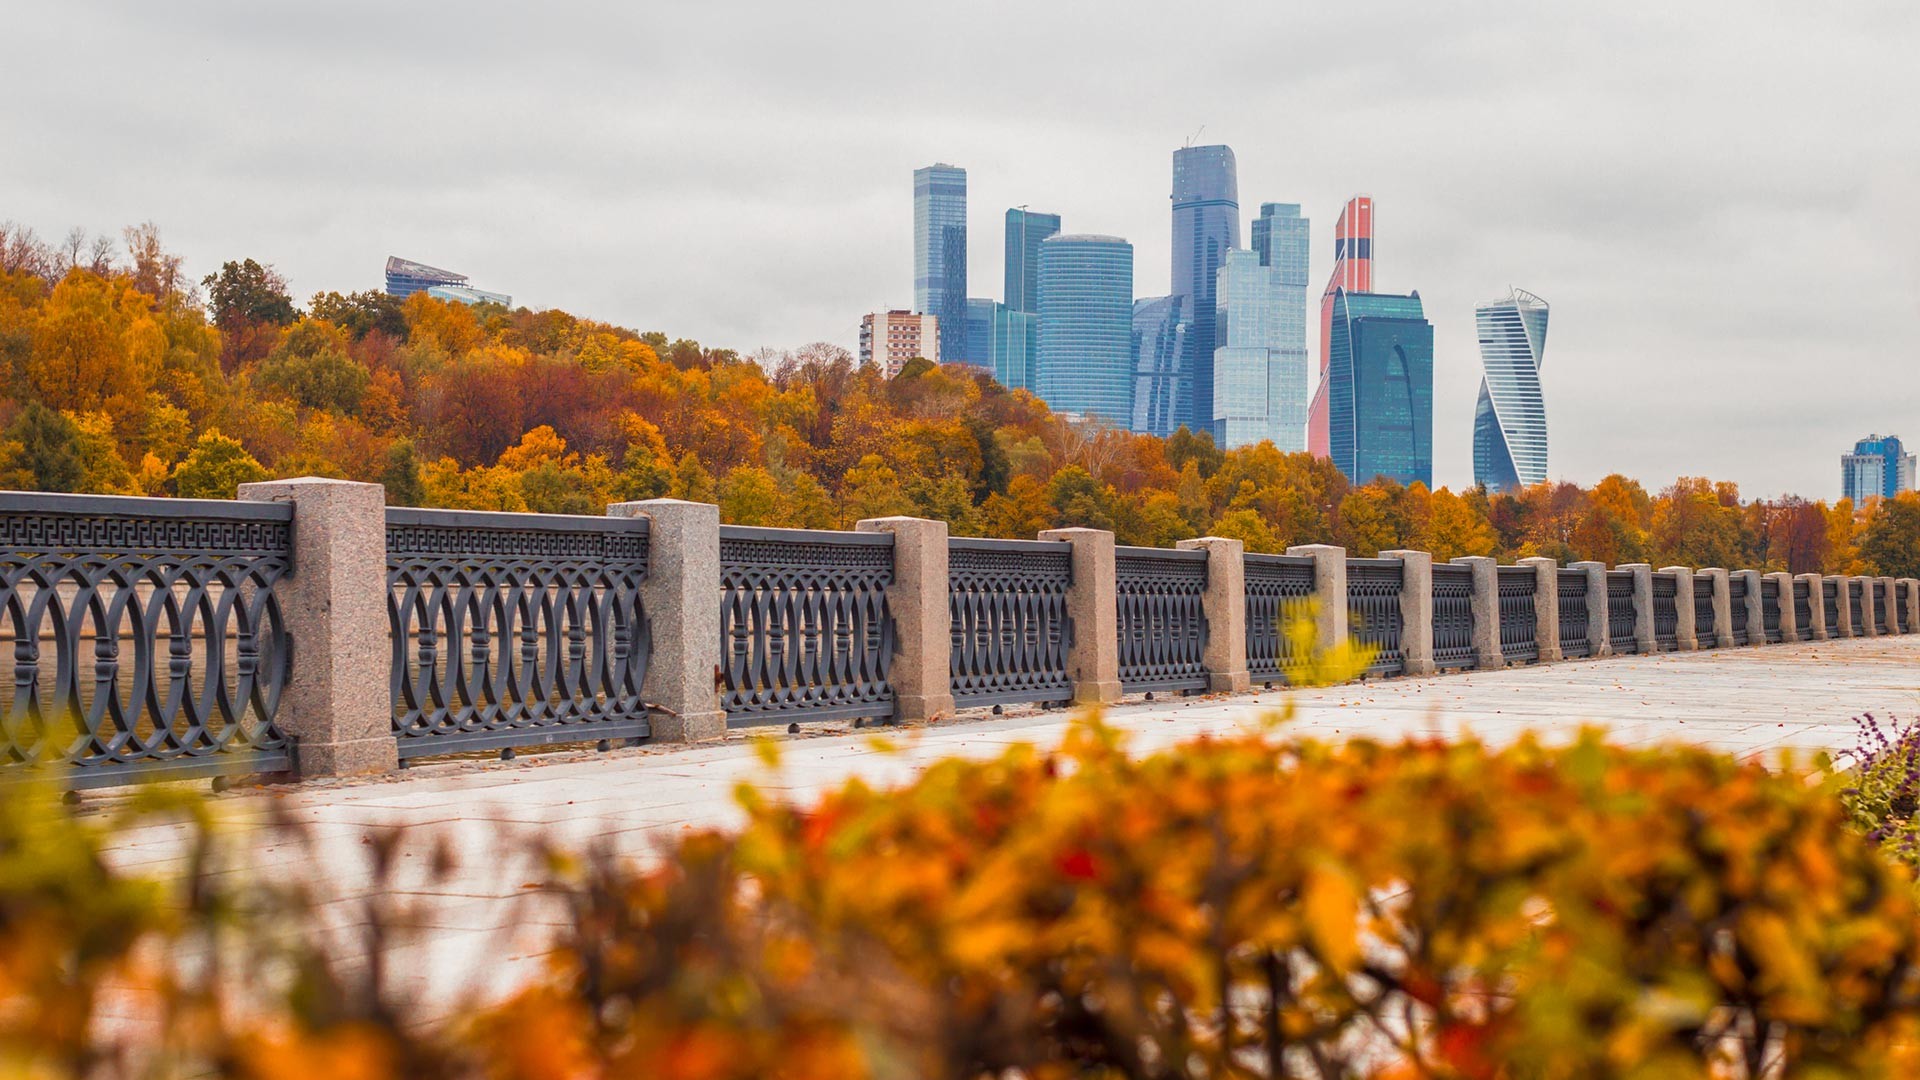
(940, 253)
(1260, 357)
(1510, 419)
(1159, 340)
(1002, 341)
(1206, 225)
(1878, 468)
(1084, 365)
(1026, 231)
(1380, 388)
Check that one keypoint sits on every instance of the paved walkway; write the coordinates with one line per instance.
(482, 929)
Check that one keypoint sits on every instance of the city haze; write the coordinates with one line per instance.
(1717, 201)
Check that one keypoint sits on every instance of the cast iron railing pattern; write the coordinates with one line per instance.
(512, 630)
(1007, 601)
(1703, 622)
(1573, 614)
(1737, 607)
(1879, 608)
(1903, 592)
(1802, 611)
(805, 631)
(1519, 631)
(1770, 610)
(1453, 616)
(1622, 633)
(169, 651)
(1162, 629)
(1373, 612)
(1830, 599)
(1853, 608)
(1278, 590)
(1666, 613)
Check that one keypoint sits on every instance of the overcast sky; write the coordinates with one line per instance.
(1718, 199)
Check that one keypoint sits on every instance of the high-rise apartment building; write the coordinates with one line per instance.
(1026, 231)
(1260, 359)
(406, 277)
(891, 338)
(1510, 420)
(1353, 272)
(1002, 341)
(1879, 467)
(1084, 365)
(1379, 387)
(1206, 225)
(940, 252)
(1159, 336)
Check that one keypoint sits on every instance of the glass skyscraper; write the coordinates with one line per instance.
(1352, 271)
(1879, 467)
(1084, 364)
(1206, 225)
(1026, 231)
(940, 253)
(1159, 336)
(1003, 341)
(1510, 419)
(1379, 387)
(1260, 359)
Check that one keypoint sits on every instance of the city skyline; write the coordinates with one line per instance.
(1689, 249)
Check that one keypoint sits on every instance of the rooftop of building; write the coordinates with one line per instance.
(397, 266)
(1084, 238)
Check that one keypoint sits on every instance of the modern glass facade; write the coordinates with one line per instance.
(1206, 225)
(1003, 341)
(406, 277)
(1026, 231)
(1084, 364)
(1260, 359)
(466, 294)
(940, 252)
(1353, 272)
(1380, 387)
(1879, 467)
(1159, 335)
(1510, 419)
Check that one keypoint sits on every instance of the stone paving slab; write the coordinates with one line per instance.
(482, 934)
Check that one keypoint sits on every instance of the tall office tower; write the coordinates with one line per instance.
(1002, 341)
(1352, 271)
(891, 338)
(1159, 336)
(1379, 387)
(1084, 365)
(1260, 357)
(1026, 231)
(1510, 421)
(406, 277)
(1879, 467)
(1206, 225)
(940, 252)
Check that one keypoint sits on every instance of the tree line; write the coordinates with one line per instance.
(126, 376)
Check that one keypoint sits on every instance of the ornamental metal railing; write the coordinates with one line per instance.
(1830, 601)
(1666, 613)
(148, 642)
(1007, 601)
(1279, 590)
(1802, 610)
(1572, 599)
(1453, 616)
(1737, 607)
(1770, 611)
(805, 630)
(1879, 609)
(1903, 592)
(1519, 629)
(1859, 622)
(1704, 636)
(1373, 612)
(1623, 634)
(1162, 629)
(515, 630)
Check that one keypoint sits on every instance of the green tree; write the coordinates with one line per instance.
(1890, 543)
(691, 480)
(42, 451)
(402, 475)
(361, 313)
(245, 293)
(215, 468)
(311, 368)
(749, 496)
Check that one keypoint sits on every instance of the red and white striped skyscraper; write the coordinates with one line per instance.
(1353, 272)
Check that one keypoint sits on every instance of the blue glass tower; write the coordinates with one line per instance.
(1510, 419)
(1084, 364)
(1206, 225)
(1879, 467)
(940, 253)
(1159, 336)
(1260, 358)
(1002, 341)
(1380, 387)
(1026, 231)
